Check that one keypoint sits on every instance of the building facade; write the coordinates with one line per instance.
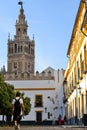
(75, 76)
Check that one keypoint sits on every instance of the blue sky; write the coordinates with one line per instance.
(51, 22)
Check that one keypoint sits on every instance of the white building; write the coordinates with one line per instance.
(46, 96)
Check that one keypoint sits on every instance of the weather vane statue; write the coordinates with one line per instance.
(20, 3)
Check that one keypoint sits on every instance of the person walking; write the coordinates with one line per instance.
(17, 110)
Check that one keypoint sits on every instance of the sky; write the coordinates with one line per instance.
(51, 22)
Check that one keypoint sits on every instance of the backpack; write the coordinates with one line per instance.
(17, 105)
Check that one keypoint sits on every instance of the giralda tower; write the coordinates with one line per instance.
(21, 50)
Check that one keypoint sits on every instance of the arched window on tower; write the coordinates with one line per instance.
(9, 50)
(15, 48)
(32, 51)
(12, 49)
(24, 32)
(18, 30)
(18, 49)
(21, 48)
(29, 48)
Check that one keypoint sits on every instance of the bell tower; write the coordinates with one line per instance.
(21, 51)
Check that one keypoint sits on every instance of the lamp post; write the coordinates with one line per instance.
(79, 88)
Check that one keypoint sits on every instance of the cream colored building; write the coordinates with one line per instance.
(75, 77)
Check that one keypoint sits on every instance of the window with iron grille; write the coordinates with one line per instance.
(38, 101)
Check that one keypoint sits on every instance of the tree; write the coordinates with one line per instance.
(1, 78)
(3, 70)
(27, 104)
(6, 96)
(7, 93)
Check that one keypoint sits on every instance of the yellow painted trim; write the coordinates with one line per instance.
(36, 96)
(34, 89)
(39, 111)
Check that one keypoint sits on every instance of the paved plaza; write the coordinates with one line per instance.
(47, 128)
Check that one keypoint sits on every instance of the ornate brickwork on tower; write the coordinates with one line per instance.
(21, 54)
(21, 50)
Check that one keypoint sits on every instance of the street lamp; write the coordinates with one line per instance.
(79, 88)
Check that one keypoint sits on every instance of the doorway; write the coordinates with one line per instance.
(39, 116)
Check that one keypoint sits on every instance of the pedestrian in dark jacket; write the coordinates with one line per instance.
(17, 110)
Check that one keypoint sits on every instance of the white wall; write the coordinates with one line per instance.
(47, 88)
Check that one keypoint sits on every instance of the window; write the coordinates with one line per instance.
(15, 65)
(18, 29)
(48, 115)
(15, 48)
(38, 101)
(85, 58)
(24, 31)
(81, 65)
(10, 67)
(21, 48)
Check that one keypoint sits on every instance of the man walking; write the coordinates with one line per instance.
(17, 110)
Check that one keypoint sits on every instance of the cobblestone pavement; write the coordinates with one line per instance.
(46, 128)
